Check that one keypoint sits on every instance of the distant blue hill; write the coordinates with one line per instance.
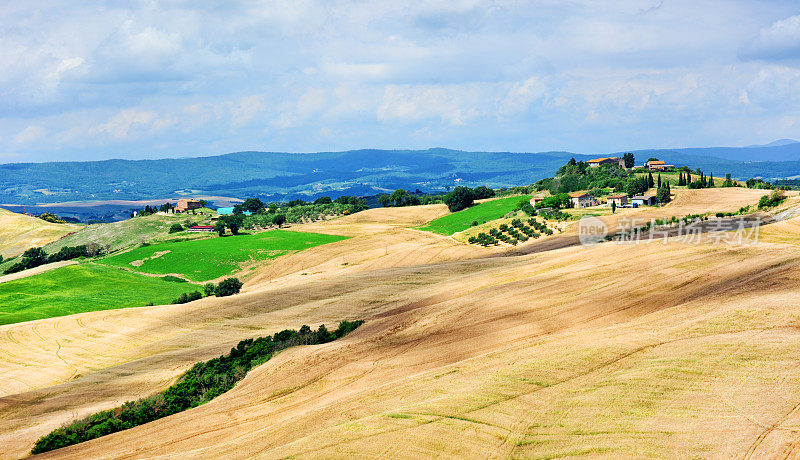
(280, 176)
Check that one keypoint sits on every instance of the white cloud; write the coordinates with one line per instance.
(312, 74)
(30, 134)
(522, 95)
(133, 123)
(247, 108)
(454, 105)
(781, 40)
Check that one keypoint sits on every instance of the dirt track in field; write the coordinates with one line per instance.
(619, 350)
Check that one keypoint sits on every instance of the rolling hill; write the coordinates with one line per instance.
(19, 232)
(278, 176)
(661, 349)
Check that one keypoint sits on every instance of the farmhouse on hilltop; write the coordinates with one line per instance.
(597, 162)
(581, 200)
(657, 165)
(187, 205)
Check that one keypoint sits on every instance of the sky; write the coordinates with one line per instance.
(88, 80)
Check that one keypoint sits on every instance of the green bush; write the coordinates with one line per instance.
(173, 279)
(228, 286)
(202, 383)
(175, 228)
(186, 298)
(31, 258)
(773, 199)
(209, 289)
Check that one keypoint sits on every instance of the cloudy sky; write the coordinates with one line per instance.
(154, 79)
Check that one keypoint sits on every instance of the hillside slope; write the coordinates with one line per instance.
(278, 175)
(19, 232)
(623, 350)
(535, 356)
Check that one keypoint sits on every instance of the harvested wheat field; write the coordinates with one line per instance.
(653, 349)
(19, 232)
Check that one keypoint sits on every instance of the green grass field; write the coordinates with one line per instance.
(82, 288)
(214, 257)
(483, 212)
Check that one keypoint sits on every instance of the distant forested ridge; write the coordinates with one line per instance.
(280, 176)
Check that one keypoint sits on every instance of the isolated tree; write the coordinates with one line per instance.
(233, 222)
(252, 205)
(460, 198)
(175, 228)
(613, 207)
(399, 197)
(650, 182)
(659, 180)
(228, 286)
(711, 180)
(629, 160)
(279, 219)
(92, 249)
(219, 227)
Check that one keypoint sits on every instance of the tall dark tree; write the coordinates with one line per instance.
(384, 200)
(228, 286)
(650, 182)
(233, 222)
(629, 160)
(659, 180)
(219, 227)
(711, 180)
(279, 219)
(460, 198)
(252, 205)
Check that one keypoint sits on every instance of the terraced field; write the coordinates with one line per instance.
(214, 257)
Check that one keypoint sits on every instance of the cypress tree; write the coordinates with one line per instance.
(688, 178)
(650, 182)
(711, 180)
(659, 181)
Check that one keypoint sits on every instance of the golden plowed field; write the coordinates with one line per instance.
(623, 350)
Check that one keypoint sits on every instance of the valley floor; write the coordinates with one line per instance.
(547, 350)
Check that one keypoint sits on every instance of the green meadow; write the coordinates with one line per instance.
(483, 212)
(81, 288)
(211, 258)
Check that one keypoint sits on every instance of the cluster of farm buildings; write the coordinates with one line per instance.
(585, 200)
